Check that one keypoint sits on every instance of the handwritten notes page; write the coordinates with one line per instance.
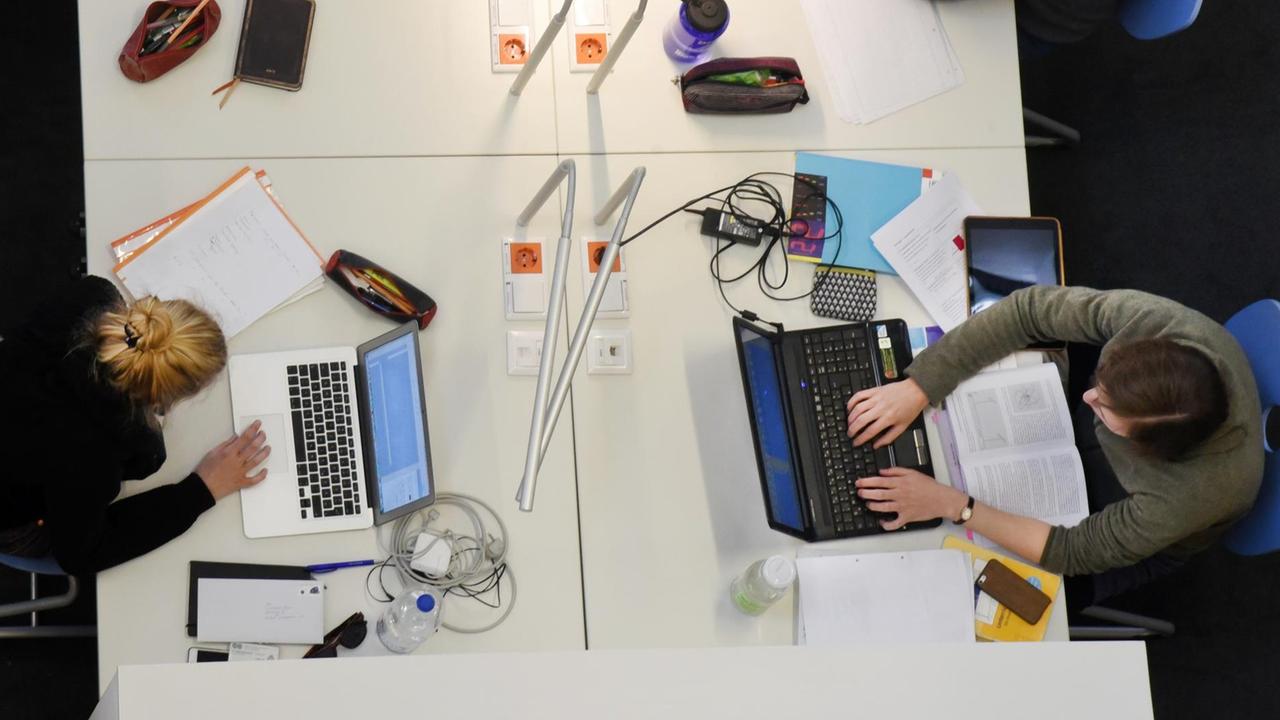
(237, 256)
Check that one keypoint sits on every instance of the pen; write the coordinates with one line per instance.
(173, 35)
(330, 567)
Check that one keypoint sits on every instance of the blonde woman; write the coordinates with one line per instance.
(83, 385)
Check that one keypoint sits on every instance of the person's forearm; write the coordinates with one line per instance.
(1023, 535)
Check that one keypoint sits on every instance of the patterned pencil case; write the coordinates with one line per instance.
(145, 55)
(743, 86)
(844, 294)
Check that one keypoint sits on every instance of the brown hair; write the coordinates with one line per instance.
(158, 352)
(1172, 393)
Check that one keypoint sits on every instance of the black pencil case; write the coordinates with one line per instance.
(744, 86)
(379, 289)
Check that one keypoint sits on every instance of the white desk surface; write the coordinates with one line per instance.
(413, 78)
(671, 507)
(395, 77)
(638, 108)
(438, 222)
(982, 682)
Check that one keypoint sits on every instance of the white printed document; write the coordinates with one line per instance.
(925, 244)
(1016, 447)
(262, 611)
(236, 255)
(880, 56)
(911, 597)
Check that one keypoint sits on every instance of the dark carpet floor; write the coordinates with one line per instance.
(1170, 192)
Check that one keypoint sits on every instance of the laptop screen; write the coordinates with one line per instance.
(400, 453)
(765, 390)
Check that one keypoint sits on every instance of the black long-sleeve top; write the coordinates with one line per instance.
(72, 440)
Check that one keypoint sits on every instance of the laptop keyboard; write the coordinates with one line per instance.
(323, 441)
(839, 364)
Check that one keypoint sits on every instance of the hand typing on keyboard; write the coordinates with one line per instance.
(225, 469)
(885, 411)
(914, 496)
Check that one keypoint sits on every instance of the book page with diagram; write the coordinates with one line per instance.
(1015, 444)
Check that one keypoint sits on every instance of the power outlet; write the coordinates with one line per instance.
(609, 352)
(510, 30)
(589, 35)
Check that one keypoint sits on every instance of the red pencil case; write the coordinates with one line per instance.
(144, 68)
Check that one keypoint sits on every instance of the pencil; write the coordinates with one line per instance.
(174, 35)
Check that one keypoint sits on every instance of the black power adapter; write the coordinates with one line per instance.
(734, 228)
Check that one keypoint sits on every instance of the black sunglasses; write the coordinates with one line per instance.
(349, 634)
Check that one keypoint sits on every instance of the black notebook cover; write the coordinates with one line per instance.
(200, 569)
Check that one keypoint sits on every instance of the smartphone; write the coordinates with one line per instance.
(1004, 254)
(199, 655)
(274, 39)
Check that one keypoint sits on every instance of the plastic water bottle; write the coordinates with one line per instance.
(762, 584)
(691, 32)
(410, 620)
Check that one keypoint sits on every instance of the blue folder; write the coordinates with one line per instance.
(869, 194)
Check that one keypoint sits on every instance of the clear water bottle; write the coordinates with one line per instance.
(410, 620)
(690, 33)
(762, 584)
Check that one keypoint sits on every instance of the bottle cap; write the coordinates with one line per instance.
(778, 572)
(426, 602)
(706, 15)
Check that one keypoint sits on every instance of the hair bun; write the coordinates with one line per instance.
(159, 351)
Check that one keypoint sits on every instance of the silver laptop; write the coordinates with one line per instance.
(348, 434)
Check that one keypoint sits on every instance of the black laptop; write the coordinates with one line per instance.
(797, 384)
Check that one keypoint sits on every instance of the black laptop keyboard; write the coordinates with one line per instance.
(323, 440)
(839, 365)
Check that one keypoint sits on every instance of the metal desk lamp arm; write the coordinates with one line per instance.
(615, 52)
(625, 196)
(540, 49)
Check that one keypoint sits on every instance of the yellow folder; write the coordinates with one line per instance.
(993, 621)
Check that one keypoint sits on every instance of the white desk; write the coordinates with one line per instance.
(669, 502)
(395, 77)
(438, 222)
(982, 682)
(671, 507)
(638, 108)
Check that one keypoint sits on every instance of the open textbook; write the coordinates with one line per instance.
(1014, 445)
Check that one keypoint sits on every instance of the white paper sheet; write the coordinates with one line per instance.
(924, 243)
(238, 258)
(263, 611)
(918, 596)
(880, 56)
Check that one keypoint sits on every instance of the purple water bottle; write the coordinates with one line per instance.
(694, 28)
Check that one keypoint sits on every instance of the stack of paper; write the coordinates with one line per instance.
(234, 253)
(925, 244)
(918, 596)
(881, 55)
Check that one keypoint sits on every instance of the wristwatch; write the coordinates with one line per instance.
(966, 513)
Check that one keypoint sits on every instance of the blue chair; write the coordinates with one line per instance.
(37, 567)
(1144, 20)
(1257, 329)
(1154, 19)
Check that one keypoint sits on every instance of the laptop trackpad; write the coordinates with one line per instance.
(911, 449)
(273, 425)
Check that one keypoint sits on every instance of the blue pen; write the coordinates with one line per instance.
(330, 567)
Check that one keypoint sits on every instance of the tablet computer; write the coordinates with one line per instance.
(1004, 254)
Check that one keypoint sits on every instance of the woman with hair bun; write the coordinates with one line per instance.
(85, 383)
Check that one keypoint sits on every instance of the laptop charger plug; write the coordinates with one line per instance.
(734, 228)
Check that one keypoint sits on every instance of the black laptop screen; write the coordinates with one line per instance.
(771, 427)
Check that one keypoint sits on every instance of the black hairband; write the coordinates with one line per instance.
(130, 336)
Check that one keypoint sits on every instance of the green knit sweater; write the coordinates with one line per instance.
(1178, 508)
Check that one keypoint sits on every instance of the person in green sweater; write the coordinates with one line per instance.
(1174, 417)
